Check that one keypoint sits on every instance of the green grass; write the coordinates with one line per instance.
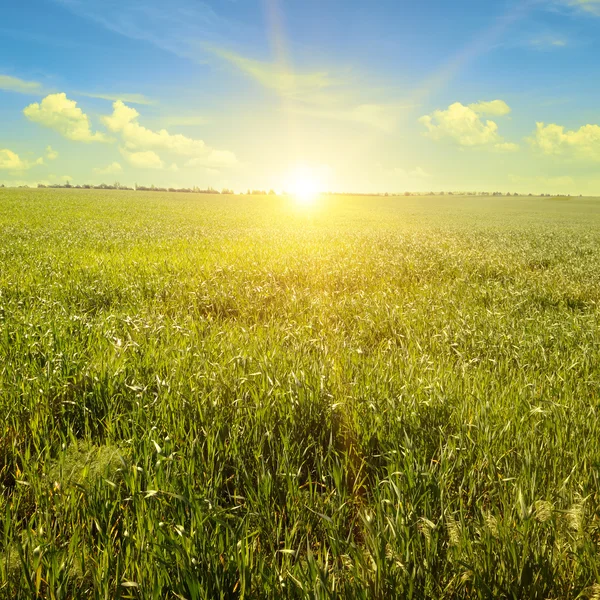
(230, 397)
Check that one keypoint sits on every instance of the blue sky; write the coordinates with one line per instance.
(354, 95)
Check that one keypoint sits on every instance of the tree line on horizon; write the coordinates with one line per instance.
(227, 191)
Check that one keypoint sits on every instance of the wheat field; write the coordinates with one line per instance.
(237, 397)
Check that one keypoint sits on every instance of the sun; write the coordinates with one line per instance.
(305, 186)
(306, 192)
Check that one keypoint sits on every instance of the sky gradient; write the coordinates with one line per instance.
(355, 95)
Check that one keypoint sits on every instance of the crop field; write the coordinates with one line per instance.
(238, 397)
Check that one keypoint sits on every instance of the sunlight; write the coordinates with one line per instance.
(305, 186)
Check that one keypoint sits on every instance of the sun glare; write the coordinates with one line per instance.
(305, 186)
(306, 192)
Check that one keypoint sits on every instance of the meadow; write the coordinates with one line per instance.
(238, 397)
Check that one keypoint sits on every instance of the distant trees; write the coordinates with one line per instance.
(85, 186)
(258, 192)
(194, 190)
(152, 188)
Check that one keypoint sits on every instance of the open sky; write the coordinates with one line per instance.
(356, 95)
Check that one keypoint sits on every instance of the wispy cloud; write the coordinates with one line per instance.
(196, 31)
(583, 6)
(130, 98)
(540, 38)
(547, 42)
(175, 26)
(590, 6)
(317, 93)
(20, 86)
(280, 78)
(9, 83)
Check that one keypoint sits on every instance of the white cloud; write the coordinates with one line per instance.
(463, 125)
(111, 169)
(57, 112)
(124, 120)
(143, 160)
(14, 84)
(493, 108)
(51, 153)
(553, 139)
(123, 117)
(11, 161)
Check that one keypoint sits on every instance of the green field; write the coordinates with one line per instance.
(234, 397)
